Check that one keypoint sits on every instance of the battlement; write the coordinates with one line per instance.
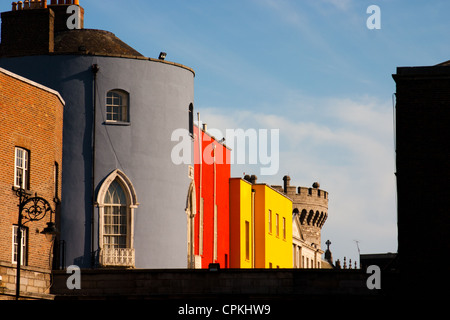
(309, 206)
(304, 195)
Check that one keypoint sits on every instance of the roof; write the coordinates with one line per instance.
(32, 83)
(444, 64)
(100, 43)
(92, 41)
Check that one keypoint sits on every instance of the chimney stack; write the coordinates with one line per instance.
(286, 180)
(30, 27)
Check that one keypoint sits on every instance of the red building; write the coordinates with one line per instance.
(211, 221)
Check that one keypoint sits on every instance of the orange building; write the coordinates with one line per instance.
(260, 225)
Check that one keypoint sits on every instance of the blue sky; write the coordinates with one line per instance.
(309, 68)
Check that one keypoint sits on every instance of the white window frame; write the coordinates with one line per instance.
(23, 257)
(21, 163)
(122, 106)
(119, 256)
(115, 211)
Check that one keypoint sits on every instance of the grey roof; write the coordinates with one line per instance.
(92, 41)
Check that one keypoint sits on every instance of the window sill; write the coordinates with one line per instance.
(117, 123)
(27, 192)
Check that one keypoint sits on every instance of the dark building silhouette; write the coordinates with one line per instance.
(423, 158)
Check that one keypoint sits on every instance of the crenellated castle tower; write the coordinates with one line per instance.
(310, 205)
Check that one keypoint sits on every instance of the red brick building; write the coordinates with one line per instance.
(212, 218)
(31, 119)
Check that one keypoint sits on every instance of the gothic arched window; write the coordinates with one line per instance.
(117, 202)
(115, 218)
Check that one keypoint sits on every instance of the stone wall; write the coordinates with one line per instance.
(34, 282)
(273, 284)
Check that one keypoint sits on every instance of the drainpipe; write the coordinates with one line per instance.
(95, 68)
(253, 228)
(215, 207)
(200, 143)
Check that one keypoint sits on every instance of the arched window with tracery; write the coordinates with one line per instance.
(117, 202)
(115, 217)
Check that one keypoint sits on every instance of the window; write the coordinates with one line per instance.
(247, 240)
(15, 246)
(117, 106)
(191, 120)
(21, 172)
(284, 228)
(117, 203)
(115, 217)
(277, 225)
(56, 178)
(270, 221)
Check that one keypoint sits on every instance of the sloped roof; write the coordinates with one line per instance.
(92, 41)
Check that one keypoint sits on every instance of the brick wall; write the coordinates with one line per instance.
(31, 118)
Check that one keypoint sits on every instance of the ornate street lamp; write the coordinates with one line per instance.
(31, 209)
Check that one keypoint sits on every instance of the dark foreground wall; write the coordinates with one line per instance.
(200, 285)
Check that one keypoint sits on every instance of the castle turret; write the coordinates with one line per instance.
(311, 206)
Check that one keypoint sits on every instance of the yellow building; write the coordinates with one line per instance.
(260, 226)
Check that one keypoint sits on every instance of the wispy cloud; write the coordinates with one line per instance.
(350, 152)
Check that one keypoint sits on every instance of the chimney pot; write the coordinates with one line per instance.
(20, 5)
(14, 6)
(60, 1)
(287, 180)
(205, 126)
(76, 2)
(44, 4)
(27, 4)
(53, 2)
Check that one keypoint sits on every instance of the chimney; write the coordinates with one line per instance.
(27, 30)
(61, 14)
(30, 27)
(205, 127)
(286, 180)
